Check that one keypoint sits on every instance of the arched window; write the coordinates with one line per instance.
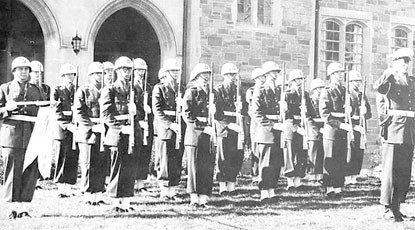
(399, 38)
(354, 47)
(331, 41)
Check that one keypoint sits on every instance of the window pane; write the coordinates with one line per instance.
(331, 41)
(244, 10)
(264, 12)
(400, 39)
(354, 46)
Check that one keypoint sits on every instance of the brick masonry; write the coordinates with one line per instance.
(290, 40)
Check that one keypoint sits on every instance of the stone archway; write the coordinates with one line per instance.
(169, 47)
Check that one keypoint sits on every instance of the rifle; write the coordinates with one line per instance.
(178, 111)
(239, 118)
(282, 98)
(348, 118)
(145, 102)
(363, 136)
(211, 115)
(304, 115)
(131, 138)
(101, 118)
(76, 82)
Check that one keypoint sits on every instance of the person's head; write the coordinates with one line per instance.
(230, 73)
(140, 69)
(200, 75)
(108, 73)
(67, 73)
(401, 59)
(271, 70)
(123, 67)
(21, 69)
(296, 78)
(258, 76)
(95, 70)
(316, 86)
(335, 72)
(355, 80)
(36, 71)
(172, 68)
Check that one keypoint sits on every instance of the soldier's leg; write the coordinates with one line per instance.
(204, 166)
(97, 169)
(128, 169)
(12, 173)
(401, 173)
(85, 165)
(29, 179)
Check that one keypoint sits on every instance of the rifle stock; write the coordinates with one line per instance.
(363, 136)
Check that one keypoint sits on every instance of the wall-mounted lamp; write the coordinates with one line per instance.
(76, 44)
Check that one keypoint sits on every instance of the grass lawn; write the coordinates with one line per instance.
(308, 209)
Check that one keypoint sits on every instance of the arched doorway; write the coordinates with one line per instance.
(20, 35)
(128, 33)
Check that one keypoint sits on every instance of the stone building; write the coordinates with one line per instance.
(304, 34)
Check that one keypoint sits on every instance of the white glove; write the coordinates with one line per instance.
(348, 109)
(98, 129)
(301, 131)
(127, 129)
(175, 127)
(71, 127)
(147, 109)
(234, 127)
(209, 130)
(278, 126)
(346, 127)
(132, 109)
(359, 129)
(143, 125)
(363, 110)
(283, 105)
(11, 106)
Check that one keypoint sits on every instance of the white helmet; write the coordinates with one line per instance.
(36, 66)
(123, 61)
(295, 74)
(257, 72)
(270, 66)
(171, 64)
(95, 67)
(229, 68)
(354, 75)
(162, 73)
(20, 62)
(198, 69)
(108, 65)
(334, 67)
(317, 83)
(140, 64)
(67, 69)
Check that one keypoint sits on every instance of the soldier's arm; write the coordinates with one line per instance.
(59, 106)
(157, 100)
(310, 109)
(3, 111)
(188, 105)
(108, 107)
(258, 101)
(80, 108)
(325, 105)
(219, 114)
(140, 107)
(368, 110)
(288, 115)
(382, 85)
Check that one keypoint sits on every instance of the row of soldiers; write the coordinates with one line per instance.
(292, 131)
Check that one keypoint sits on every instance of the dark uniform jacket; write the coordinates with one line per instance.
(140, 94)
(315, 125)
(225, 98)
(265, 102)
(356, 101)
(16, 134)
(63, 113)
(400, 95)
(331, 105)
(86, 106)
(195, 113)
(293, 113)
(164, 101)
(114, 101)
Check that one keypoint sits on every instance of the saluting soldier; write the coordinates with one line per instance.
(18, 186)
(332, 110)
(266, 114)
(36, 77)
(197, 140)
(315, 143)
(117, 107)
(88, 135)
(355, 165)
(144, 93)
(168, 162)
(295, 132)
(258, 76)
(230, 158)
(398, 89)
(67, 155)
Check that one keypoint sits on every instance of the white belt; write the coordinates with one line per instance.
(355, 117)
(297, 117)
(95, 120)
(405, 113)
(18, 117)
(170, 112)
(273, 117)
(229, 113)
(338, 115)
(320, 120)
(67, 113)
(202, 119)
